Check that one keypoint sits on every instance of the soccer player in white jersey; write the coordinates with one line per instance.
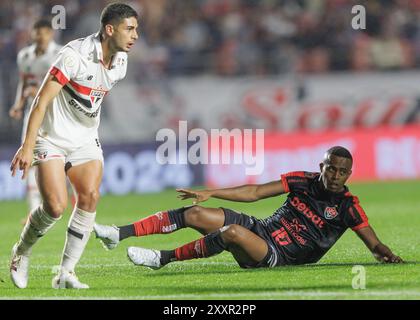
(33, 63)
(62, 139)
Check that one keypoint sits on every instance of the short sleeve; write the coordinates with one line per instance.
(355, 217)
(66, 65)
(292, 180)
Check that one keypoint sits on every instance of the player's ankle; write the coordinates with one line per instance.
(167, 256)
(127, 231)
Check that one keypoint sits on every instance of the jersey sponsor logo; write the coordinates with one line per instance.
(76, 98)
(294, 228)
(307, 212)
(330, 213)
(296, 180)
(74, 104)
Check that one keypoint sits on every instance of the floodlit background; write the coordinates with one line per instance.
(294, 68)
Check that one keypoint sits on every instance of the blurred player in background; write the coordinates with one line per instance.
(33, 64)
(316, 213)
(62, 139)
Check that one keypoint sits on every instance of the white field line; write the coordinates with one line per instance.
(129, 264)
(358, 294)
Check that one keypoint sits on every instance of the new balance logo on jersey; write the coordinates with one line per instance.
(90, 77)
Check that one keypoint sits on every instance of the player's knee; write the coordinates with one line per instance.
(232, 233)
(87, 200)
(55, 207)
(193, 215)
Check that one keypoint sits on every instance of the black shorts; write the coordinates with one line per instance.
(274, 257)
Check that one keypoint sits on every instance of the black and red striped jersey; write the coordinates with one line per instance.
(312, 218)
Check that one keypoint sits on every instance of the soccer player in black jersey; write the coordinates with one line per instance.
(316, 213)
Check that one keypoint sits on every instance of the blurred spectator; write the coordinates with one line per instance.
(243, 37)
(232, 37)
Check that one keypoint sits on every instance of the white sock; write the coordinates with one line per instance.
(78, 233)
(33, 195)
(38, 224)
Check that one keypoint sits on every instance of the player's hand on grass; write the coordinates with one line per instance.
(383, 254)
(22, 161)
(392, 259)
(198, 196)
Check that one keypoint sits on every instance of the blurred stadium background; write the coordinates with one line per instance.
(295, 68)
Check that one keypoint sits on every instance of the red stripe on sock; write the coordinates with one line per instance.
(192, 250)
(157, 223)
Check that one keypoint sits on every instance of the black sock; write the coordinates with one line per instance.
(167, 256)
(127, 231)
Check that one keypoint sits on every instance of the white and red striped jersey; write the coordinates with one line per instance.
(33, 68)
(72, 119)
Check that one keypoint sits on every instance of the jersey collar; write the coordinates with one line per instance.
(98, 47)
(99, 53)
(327, 193)
(50, 48)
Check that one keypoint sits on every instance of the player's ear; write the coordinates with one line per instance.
(109, 30)
(321, 166)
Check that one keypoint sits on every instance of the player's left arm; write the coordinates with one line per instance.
(379, 250)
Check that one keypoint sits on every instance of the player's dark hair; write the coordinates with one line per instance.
(339, 151)
(42, 23)
(115, 12)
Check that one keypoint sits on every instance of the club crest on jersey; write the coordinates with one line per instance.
(330, 213)
(96, 96)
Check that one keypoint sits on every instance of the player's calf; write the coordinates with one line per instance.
(208, 246)
(36, 226)
(159, 223)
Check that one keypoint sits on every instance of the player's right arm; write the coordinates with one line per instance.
(23, 157)
(15, 111)
(245, 193)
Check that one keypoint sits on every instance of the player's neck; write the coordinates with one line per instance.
(107, 52)
(39, 50)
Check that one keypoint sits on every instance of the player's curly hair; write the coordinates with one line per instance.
(115, 12)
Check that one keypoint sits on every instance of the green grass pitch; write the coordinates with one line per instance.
(392, 208)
